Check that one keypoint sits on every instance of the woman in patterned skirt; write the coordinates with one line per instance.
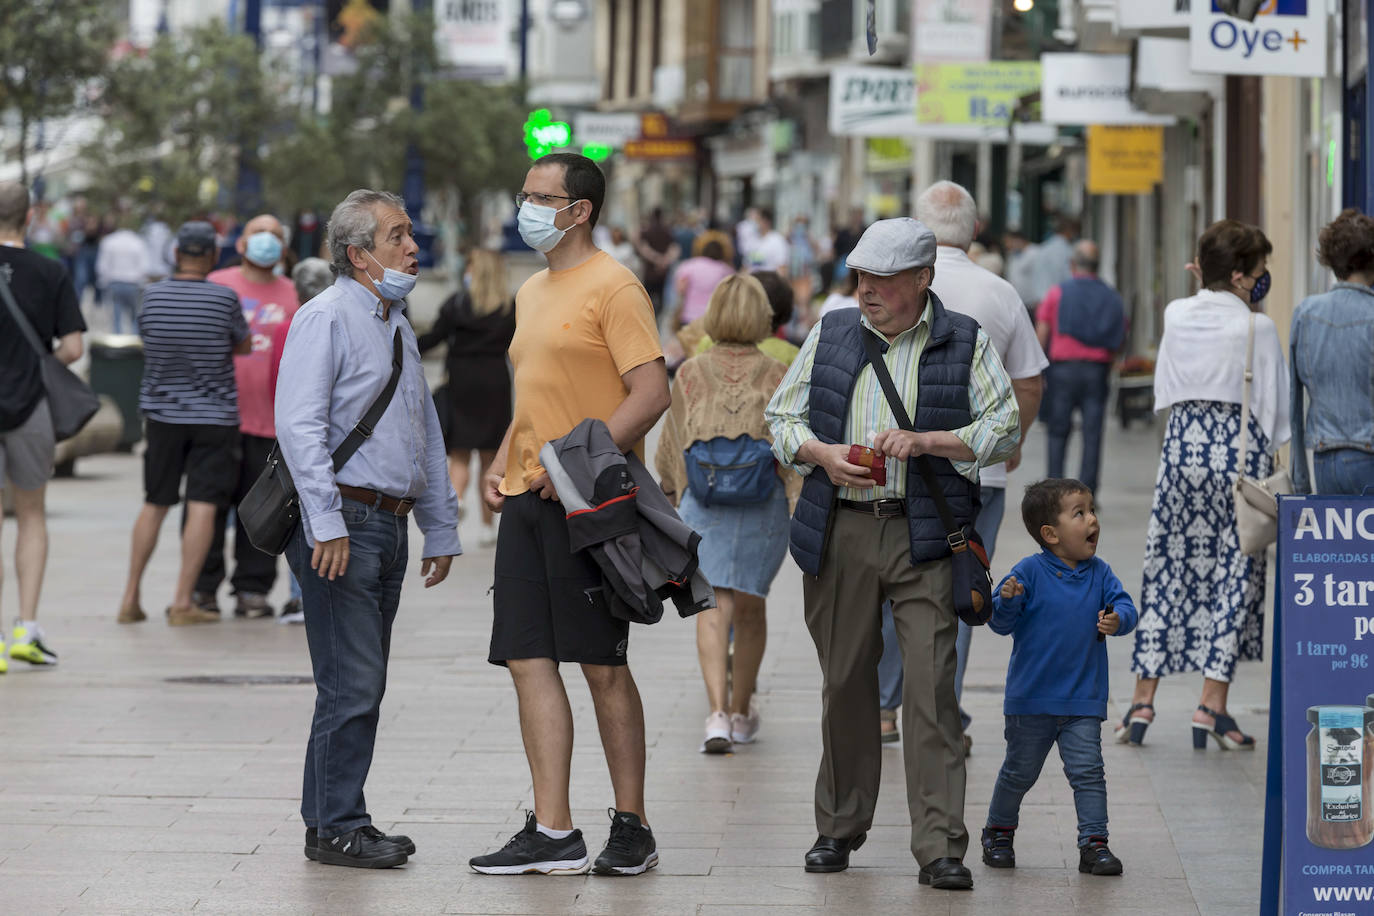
(1202, 606)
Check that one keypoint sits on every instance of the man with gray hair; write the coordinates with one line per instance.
(950, 212)
(859, 541)
(350, 550)
(1081, 324)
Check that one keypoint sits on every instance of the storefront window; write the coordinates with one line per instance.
(735, 74)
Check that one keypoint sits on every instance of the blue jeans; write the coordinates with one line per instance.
(989, 522)
(1029, 739)
(1081, 386)
(1343, 470)
(124, 302)
(348, 628)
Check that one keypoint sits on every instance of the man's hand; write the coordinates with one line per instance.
(1108, 623)
(491, 491)
(544, 487)
(435, 570)
(835, 460)
(1014, 461)
(1012, 588)
(899, 443)
(330, 558)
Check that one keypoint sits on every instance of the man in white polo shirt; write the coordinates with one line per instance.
(949, 211)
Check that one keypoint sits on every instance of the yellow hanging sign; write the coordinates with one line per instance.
(1124, 160)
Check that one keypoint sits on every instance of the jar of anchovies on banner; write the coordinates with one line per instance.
(1340, 760)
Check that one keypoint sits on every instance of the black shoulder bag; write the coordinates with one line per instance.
(71, 401)
(972, 577)
(270, 510)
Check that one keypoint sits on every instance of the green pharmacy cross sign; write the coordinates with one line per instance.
(543, 135)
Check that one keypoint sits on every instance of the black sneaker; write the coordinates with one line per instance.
(997, 848)
(360, 849)
(630, 849)
(1095, 858)
(312, 841)
(530, 852)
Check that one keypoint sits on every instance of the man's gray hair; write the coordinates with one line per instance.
(14, 205)
(312, 276)
(1085, 256)
(949, 211)
(354, 222)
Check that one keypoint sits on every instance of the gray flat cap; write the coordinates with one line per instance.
(891, 246)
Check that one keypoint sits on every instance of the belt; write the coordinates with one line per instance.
(378, 500)
(878, 508)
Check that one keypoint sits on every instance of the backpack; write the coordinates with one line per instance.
(731, 472)
(1092, 313)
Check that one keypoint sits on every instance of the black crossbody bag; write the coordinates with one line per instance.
(969, 560)
(71, 401)
(271, 509)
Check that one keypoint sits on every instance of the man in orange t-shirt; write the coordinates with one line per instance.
(586, 345)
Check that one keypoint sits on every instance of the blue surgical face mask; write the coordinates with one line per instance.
(536, 226)
(262, 249)
(395, 284)
(1261, 288)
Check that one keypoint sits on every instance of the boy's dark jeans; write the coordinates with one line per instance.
(1029, 739)
(348, 627)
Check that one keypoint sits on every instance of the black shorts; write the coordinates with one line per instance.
(548, 601)
(207, 455)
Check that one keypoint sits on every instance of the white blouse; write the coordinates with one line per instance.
(1202, 358)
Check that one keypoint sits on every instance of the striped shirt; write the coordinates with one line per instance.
(992, 435)
(189, 330)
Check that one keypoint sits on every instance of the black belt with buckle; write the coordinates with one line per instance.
(878, 508)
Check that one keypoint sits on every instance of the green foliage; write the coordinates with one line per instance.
(49, 50)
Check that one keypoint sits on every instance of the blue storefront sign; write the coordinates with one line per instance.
(1322, 727)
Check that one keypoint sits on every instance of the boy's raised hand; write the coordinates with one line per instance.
(1011, 588)
(1108, 622)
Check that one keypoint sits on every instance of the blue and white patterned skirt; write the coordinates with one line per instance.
(1202, 602)
(742, 547)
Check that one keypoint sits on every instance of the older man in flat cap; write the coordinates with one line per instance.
(859, 542)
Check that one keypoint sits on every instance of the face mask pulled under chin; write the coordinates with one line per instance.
(395, 284)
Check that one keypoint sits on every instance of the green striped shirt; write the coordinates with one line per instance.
(993, 434)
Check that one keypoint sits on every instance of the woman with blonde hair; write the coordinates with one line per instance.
(474, 404)
(716, 464)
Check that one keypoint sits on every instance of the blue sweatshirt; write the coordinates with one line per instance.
(1058, 667)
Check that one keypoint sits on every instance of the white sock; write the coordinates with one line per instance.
(553, 834)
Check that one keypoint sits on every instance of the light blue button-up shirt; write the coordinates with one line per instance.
(336, 362)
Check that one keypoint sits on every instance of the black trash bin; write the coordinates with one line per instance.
(117, 371)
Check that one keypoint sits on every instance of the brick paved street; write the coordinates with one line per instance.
(123, 790)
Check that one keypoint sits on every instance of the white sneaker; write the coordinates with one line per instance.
(717, 733)
(745, 729)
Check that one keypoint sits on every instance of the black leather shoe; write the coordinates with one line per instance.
(947, 874)
(1096, 859)
(360, 849)
(312, 841)
(997, 848)
(832, 853)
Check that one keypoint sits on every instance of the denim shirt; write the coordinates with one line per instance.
(1333, 359)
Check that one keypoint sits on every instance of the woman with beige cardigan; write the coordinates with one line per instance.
(720, 396)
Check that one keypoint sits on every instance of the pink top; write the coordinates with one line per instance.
(701, 275)
(268, 308)
(1062, 347)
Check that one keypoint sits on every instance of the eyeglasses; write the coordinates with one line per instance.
(540, 199)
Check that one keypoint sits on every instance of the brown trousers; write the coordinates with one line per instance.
(867, 560)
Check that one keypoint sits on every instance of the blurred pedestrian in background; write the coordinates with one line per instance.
(658, 252)
(268, 302)
(696, 279)
(477, 324)
(841, 294)
(846, 237)
(1332, 344)
(718, 403)
(42, 291)
(780, 305)
(622, 249)
(1050, 260)
(1202, 599)
(801, 266)
(770, 250)
(191, 331)
(122, 267)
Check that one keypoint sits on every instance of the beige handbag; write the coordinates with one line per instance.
(1257, 503)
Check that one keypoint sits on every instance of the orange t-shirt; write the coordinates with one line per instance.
(577, 331)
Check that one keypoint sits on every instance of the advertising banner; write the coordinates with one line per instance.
(1287, 38)
(976, 94)
(952, 30)
(1326, 646)
(613, 129)
(1124, 160)
(872, 101)
(1089, 89)
(474, 34)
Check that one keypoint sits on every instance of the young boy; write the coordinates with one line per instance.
(1058, 605)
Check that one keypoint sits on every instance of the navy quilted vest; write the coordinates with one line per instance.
(941, 403)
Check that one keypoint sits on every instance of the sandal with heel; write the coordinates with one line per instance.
(1220, 729)
(1132, 727)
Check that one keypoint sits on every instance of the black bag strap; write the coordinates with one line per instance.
(874, 351)
(24, 327)
(363, 431)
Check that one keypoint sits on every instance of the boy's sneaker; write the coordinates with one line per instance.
(26, 644)
(530, 852)
(630, 849)
(1095, 858)
(292, 612)
(997, 848)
